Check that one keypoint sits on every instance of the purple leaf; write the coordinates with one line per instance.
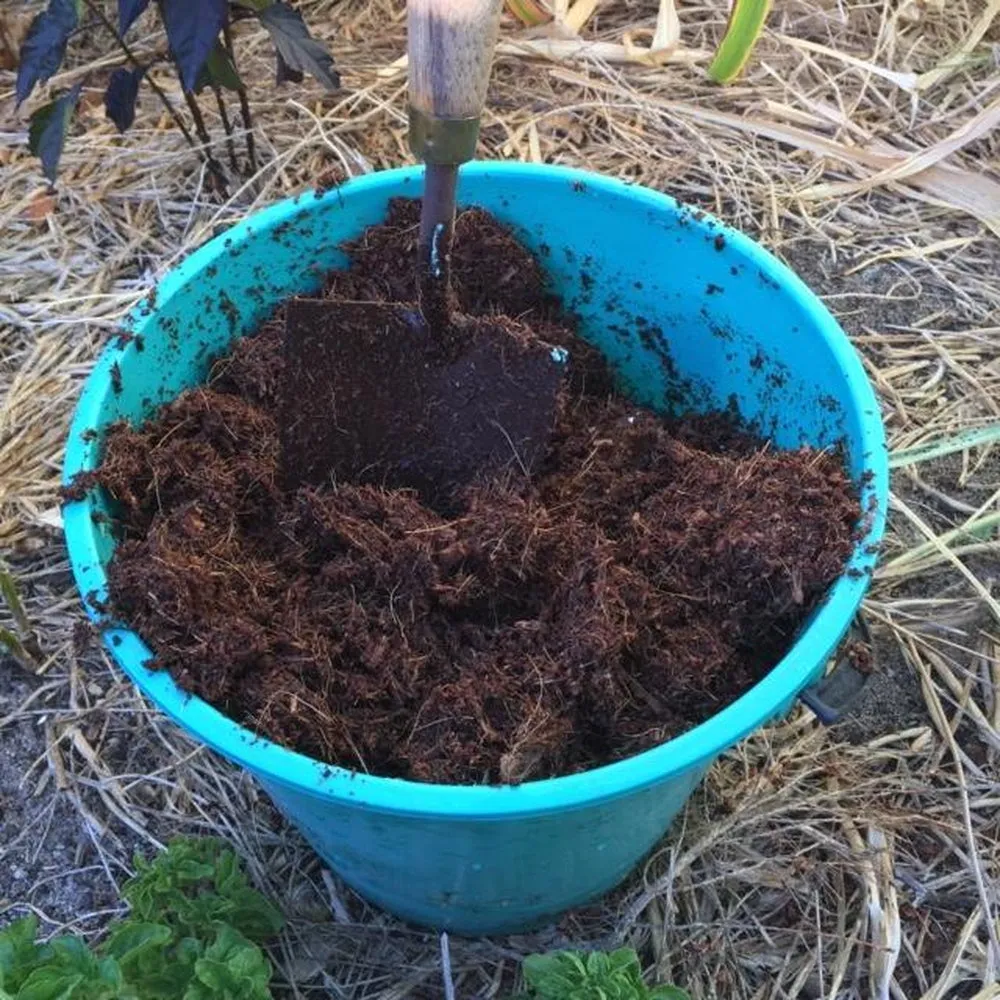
(121, 96)
(44, 46)
(285, 72)
(298, 51)
(192, 28)
(128, 11)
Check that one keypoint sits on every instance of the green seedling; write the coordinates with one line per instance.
(193, 933)
(597, 975)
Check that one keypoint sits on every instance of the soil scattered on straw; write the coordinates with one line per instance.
(649, 574)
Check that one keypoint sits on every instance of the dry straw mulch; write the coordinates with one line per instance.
(858, 862)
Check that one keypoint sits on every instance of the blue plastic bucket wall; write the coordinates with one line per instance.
(693, 315)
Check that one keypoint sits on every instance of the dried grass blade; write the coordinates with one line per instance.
(668, 27)
(579, 14)
(963, 441)
(956, 60)
(572, 50)
(939, 548)
(977, 126)
(954, 187)
(905, 81)
(927, 532)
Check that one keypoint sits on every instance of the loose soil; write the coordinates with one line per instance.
(48, 861)
(647, 574)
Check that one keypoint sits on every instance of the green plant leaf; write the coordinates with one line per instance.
(253, 915)
(18, 952)
(746, 22)
(598, 966)
(597, 975)
(232, 966)
(191, 948)
(163, 889)
(50, 983)
(625, 962)
(162, 975)
(131, 940)
(109, 973)
(47, 130)
(228, 877)
(554, 976)
(218, 70)
(73, 954)
(667, 993)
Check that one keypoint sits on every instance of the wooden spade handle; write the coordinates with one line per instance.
(451, 45)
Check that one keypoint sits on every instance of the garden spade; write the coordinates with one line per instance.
(421, 397)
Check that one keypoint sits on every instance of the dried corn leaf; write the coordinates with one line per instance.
(668, 27)
(579, 14)
(905, 81)
(571, 50)
(917, 163)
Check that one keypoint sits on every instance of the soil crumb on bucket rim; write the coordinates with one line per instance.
(649, 573)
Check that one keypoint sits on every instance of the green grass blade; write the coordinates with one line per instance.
(746, 22)
(11, 643)
(8, 590)
(975, 438)
(529, 13)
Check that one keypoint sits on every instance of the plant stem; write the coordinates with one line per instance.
(227, 37)
(227, 125)
(7, 47)
(129, 55)
(202, 132)
(23, 643)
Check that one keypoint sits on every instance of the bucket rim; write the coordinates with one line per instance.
(695, 748)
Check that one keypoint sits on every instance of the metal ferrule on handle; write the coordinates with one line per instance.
(451, 45)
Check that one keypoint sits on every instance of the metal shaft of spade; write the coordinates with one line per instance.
(437, 224)
(450, 46)
(369, 396)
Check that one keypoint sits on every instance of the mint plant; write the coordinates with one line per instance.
(199, 45)
(192, 933)
(597, 975)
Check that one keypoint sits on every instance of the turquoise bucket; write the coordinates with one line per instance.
(690, 313)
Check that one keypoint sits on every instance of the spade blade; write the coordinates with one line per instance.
(368, 396)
